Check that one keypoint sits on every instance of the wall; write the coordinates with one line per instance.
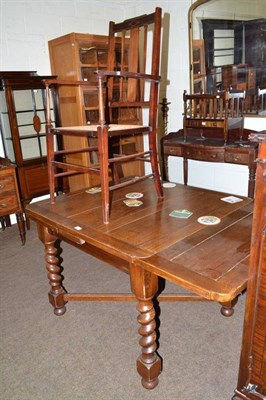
(27, 25)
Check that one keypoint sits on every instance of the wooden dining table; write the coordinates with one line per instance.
(195, 238)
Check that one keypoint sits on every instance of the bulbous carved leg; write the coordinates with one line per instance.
(56, 294)
(227, 309)
(145, 286)
(148, 363)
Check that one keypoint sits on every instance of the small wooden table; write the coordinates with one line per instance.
(211, 149)
(147, 243)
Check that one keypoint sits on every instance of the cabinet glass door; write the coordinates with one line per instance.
(5, 129)
(29, 109)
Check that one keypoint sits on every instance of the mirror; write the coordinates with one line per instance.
(227, 40)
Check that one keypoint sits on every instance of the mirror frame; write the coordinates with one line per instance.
(195, 5)
(190, 39)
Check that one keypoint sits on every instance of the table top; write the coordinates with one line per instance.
(210, 260)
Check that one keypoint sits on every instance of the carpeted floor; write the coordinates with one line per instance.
(90, 352)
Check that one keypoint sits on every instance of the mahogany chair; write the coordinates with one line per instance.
(223, 110)
(128, 85)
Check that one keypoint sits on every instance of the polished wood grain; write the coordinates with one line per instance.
(145, 242)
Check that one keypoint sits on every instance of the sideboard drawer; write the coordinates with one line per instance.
(204, 155)
(9, 199)
(6, 183)
(236, 158)
(8, 204)
(173, 151)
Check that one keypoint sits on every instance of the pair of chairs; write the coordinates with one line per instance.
(223, 110)
(118, 89)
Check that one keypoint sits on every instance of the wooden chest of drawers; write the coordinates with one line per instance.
(9, 198)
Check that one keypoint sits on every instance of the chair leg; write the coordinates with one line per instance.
(104, 175)
(50, 158)
(154, 164)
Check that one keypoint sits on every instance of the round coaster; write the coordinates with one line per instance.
(209, 220)
(134, 195)
(169, 185)
(132, 202)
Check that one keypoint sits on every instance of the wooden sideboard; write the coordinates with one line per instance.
(252, 370)
(9, 197)
(210, 149)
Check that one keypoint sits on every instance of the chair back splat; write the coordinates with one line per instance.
(129, 84)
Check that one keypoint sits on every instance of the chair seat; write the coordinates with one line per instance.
(113, 129)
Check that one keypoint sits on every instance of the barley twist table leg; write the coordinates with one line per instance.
(145, 285)
(56, 294)
(148, 363)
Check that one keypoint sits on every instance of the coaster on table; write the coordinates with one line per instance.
(231, 199)
(169, 185)
(209, 220)
(134, 195)
(132, 202)
(93, 190)
(180, 213)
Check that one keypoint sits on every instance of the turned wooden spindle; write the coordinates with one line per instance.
(145, 286)
(148, 363)
(165, 110)
(56, 294)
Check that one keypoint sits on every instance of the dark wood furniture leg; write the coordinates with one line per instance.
(52, 259)
(145, 286)
(165, 176)
(185, 170)
(227, 309)
(251, 180)
(21, 227)
(5, 222)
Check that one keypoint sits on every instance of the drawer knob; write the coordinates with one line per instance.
(3, 205)
(214, 155)
(2, 185)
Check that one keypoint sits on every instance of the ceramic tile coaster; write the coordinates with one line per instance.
(132, 202)
(134, 195)
(209, 220)
(93, 190)
(169, 185)
(180, 214)
(231, 199)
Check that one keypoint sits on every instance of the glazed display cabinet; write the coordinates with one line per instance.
(22, 126)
